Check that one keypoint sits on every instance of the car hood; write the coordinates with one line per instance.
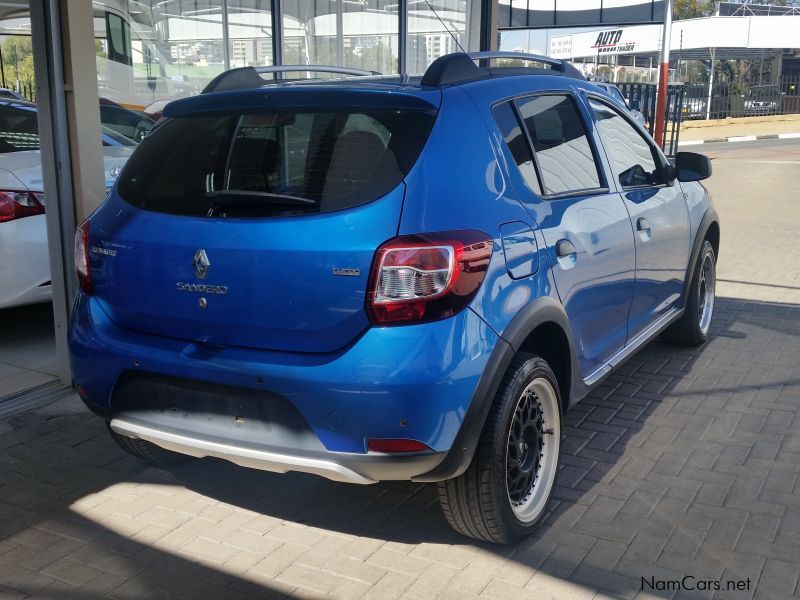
(24, 169)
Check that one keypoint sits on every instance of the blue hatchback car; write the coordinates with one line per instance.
(388, 278)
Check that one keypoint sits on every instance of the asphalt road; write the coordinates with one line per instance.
(756, 190)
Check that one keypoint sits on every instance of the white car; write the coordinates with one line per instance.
(24, 261)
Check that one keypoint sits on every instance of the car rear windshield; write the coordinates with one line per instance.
(274, 163)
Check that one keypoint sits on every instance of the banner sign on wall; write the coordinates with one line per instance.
(619, 40)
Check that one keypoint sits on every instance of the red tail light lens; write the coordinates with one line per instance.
(16, 205)
(82, 266)
(427, 277)
(396, 445)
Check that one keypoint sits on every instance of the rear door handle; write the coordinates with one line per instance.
(565, 248)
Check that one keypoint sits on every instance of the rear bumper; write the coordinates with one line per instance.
(414, 382)
(25, 270)
(336, 466)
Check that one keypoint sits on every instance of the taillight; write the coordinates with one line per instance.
(82, 265)
(16, 205)
(391, 446)
(426, 277)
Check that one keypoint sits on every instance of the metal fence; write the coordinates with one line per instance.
(690, 101)
(26, 90)
(742, 100)
(642, 97)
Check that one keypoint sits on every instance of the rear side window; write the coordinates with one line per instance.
(561, 147)
(274, 163)
(517, 143)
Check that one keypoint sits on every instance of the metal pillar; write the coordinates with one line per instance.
(710, 84)
(277, 31)
(402, 37)
(60, 214)
(488, 35)
(663, 75)
(62, 33)
(340, 33)
(226, 45)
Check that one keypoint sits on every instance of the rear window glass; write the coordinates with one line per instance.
(517, 144)
(274, 163)
(560, 143)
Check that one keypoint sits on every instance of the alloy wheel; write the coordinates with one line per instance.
(532, 450)
(706, 290)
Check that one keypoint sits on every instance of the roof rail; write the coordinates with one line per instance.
(460, 67)
(250, 77)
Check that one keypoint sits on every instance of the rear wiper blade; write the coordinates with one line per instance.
(223, 197)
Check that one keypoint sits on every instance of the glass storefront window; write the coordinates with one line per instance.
(362, 35)
(433, 28)
(152, 52)
(250, 33)
(149, 52)
(309, 32)
(370, 36)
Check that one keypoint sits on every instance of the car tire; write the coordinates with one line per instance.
(693, 328)
(148, 451)
(504, 493)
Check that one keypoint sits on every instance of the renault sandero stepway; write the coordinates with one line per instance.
(388, 278)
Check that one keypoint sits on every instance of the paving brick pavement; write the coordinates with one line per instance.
(682, 463)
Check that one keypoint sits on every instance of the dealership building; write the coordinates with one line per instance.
(630, 35)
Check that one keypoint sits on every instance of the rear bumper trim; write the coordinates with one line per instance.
(243, 456)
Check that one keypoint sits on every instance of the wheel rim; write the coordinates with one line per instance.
(532, 450)
(705, 289)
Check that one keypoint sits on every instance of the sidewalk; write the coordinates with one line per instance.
(721, 130)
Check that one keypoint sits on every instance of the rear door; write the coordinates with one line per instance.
(255, 228)
(658, 213)
(585, 226)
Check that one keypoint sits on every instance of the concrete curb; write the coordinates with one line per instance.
(742, 138)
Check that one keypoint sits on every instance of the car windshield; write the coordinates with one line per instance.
(18, 129)
(274, 163)
(112, 138)
(614, 92)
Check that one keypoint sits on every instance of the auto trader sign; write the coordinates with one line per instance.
(620, 40)
(610, 42)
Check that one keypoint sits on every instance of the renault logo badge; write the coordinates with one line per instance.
(201, 264)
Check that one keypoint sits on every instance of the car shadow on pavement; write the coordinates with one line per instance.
(683, 462)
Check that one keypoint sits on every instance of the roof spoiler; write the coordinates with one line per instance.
(251, 77)
(460, 67)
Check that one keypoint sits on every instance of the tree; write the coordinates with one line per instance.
(18, 60)
(692, 9)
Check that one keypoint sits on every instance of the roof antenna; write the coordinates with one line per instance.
(446, 28)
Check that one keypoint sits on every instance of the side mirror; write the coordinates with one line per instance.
(690, 166)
